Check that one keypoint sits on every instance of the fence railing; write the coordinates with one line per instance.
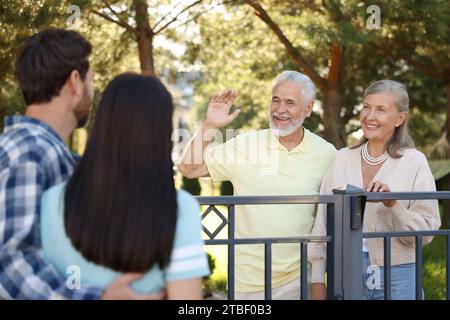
(418, 235)
(345, 212)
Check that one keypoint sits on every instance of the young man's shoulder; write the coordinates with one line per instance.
(21, 145)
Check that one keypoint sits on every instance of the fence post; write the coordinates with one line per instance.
(352, 204)
(334, 250)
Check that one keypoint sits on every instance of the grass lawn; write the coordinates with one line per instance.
(434, 269)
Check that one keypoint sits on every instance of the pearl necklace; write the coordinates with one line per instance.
(371, 160)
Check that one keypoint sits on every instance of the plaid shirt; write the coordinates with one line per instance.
(33, 158)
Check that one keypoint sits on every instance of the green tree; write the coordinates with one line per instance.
(419, 36)
(18, 20)
(420, 39)
(327, 41)
(330, 83)
(145, 20)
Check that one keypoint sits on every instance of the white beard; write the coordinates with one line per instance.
(289, 130)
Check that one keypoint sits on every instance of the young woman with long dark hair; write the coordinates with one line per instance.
(120, 211)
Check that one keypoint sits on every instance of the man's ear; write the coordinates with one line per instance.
(75, 84)
(309, 109)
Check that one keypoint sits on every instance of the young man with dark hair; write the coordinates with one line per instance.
(53, 72)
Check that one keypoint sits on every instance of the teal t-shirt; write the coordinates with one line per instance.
(188, 259)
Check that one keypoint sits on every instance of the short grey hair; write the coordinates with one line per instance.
(401, 138)
(308, 91)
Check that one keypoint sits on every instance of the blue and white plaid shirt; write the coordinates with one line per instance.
(33, 158)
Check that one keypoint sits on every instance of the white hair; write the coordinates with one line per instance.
(308, 90)
(396, 89)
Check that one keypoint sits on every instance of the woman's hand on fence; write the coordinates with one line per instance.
(377, 186)
(318, 291)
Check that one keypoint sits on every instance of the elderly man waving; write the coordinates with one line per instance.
(286, 159)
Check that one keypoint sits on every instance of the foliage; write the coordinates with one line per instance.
(434, 269)
(233, 48)
(211, 262)
(237, 50)
(226, 188)
(192, 186)
(18, 20)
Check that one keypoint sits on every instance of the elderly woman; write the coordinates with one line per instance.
(385, 160)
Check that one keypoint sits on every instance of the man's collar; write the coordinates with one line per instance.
(14, 121)
(304, 146)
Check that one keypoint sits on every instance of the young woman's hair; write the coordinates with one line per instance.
(400, 139)
(120, 203)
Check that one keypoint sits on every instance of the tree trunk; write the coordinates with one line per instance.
(144, 38)
(331, 118)
(447, 122)
(332, 99)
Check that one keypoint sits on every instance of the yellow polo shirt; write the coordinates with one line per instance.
(257, 164)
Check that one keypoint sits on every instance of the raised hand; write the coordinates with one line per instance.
(218, 114)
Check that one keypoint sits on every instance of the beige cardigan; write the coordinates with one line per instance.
(408, 173)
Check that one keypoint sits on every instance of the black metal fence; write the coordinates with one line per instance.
(345, 211)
